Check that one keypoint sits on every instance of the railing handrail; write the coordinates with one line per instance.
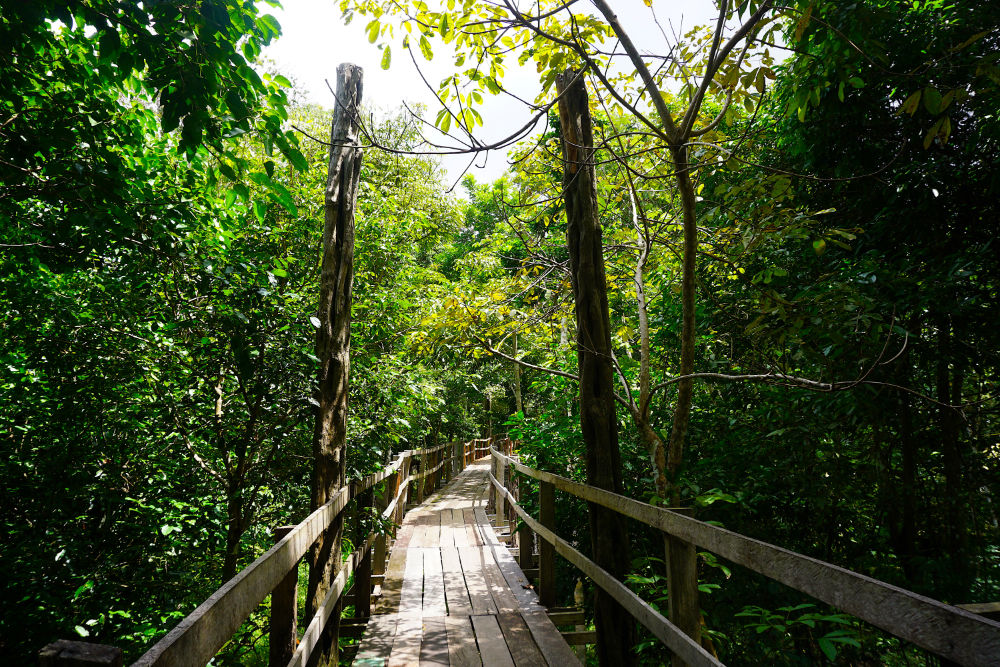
(199, 636)
(946, 630)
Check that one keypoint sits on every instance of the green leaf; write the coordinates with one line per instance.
(272, 25)
(911, 103)
(932, 100)
(386, 57)
(373, 29)
(83, 589)
(829, 650)
(425, 48)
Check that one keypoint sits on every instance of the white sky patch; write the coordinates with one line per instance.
(314, 41)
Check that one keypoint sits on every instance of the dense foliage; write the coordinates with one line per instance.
(160, 224)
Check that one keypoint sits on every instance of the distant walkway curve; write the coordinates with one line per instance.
(454, 596)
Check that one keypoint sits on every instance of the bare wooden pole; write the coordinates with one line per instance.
(284, 611)
(333, 345)
(598, 420)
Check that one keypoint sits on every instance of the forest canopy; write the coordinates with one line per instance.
(799, 219)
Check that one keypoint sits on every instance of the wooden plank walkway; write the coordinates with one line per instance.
(454, 596)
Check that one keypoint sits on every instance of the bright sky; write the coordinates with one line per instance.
(315, 41)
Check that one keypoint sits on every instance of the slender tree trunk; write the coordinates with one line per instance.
(518, 405)
(333, 345)
(640, 413)
(599, 423)
(682, 411)
(235, 527)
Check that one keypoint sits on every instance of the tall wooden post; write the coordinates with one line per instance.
(363, 574)
(388, 493)
(501, 475)
(333, 346)
(423, 477)
(682, 587)
(284, 611)
(598, 421)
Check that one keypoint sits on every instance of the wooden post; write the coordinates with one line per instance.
(525, 537)
(491, 504)
(333, 346)
(547, 552)
(423, 478)
(388, 492)
(501, 499)
(682, 586)
(598, 419)
(66, 653)
(404, 498)
(284, 611)
(363, 573)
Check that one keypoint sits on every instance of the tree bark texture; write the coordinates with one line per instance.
(333, 344)
(599, 423)
(682, 411)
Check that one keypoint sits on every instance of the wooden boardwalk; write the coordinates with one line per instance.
(453, 595)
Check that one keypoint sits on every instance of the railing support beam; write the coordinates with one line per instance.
(284, 611)
(682, 586)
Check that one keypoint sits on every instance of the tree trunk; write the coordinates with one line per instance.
(640, 414)
(599, 423)
(235, 526)
(682, 411)
(333, 345)
(518, 405)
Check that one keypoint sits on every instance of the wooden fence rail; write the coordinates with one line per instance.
(948, 631)
(200, 635)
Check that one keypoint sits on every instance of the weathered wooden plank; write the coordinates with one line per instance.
(546, 635)
(406, 646)
(492, 646)
(392, 584)
(943, 629)
(432, 536)
(519, 642)
(570, 617)
(501, 592)
(454, 583)
(462, 650)
(664, 630)
(579, 637)
(459, 534)
(472, 534)
(411, 595)
(475, 580)
(68, 653)
(434, 599)
(376, 644)
(434, 643)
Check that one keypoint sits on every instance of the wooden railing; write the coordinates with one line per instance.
(201, 634)
(948, 631)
